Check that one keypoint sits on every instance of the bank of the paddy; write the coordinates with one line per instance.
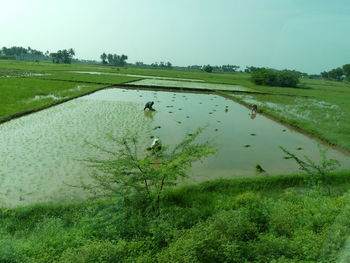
(24, 95)
(262, 219)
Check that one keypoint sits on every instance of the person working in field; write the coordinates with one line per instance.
(149, 106)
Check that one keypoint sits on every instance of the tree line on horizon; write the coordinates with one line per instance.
(338, 74)
(21, 53)
(66, 56)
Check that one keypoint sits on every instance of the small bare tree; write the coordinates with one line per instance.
(129, 173)
(316, 172)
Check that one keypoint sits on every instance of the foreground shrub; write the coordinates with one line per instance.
(141, 178)
(105, 252)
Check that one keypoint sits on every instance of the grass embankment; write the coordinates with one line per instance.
(21, 95)
(325, 111)
(88, 78)
(268, 219)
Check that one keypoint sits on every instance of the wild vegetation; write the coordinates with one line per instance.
(271, 77)
(267, 219)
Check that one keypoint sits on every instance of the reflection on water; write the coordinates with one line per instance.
(230, 125)
(190, 85)
(134, 75)
(41, 153)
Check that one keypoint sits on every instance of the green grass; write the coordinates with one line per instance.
(18, 94)
(22, 94)
(246, 220)
(325, 112)
(88, 78)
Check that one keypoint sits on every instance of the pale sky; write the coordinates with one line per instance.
(306, 35)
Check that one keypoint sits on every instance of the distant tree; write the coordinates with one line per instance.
(196, 67)
(110, 58)
(168, 65)
(252, 69)
(346, 70)
(63, 56)
(114, 59)
(272, 77)
(139, 64)
(336, 74)
(229, 68)
(155, 65)
(207, 68)
(104, 58)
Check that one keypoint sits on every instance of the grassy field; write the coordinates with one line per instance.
(324, 111)
(20, 94)
(268, 219)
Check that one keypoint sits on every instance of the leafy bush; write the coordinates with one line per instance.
(207, 68)
(271, 77)
(104, 252)
(141, 178)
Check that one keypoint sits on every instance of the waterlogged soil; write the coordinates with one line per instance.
(189, 85)
(42, 153)
(136, 75)
(243, 139)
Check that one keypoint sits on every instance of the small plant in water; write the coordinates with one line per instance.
(316, 172)
(247, 145)
(259, 169)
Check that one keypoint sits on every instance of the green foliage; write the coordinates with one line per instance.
(265, 219)
(106, 252)
(207, 68)
(133, 175)
(114, 59)
(271, 77)
(336, 74)
(63, 56)
(22, 53)
(316, 172)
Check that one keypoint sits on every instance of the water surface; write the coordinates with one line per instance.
(189, 85)
(135, 75)
(41, 153)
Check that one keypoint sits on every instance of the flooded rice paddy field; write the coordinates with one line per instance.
(42, 153)
(135, 75)
(189, 85)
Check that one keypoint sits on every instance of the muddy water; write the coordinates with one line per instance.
(244, 140)
(41, 153)
(190, 85)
